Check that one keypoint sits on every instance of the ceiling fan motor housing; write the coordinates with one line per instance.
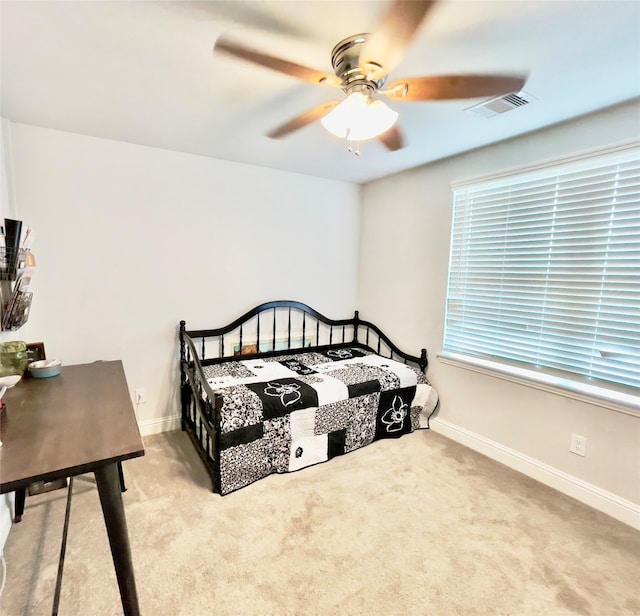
(345, 59)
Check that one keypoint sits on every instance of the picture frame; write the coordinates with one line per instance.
(35, 351)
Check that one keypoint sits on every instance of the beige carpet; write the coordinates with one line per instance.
(419, 525)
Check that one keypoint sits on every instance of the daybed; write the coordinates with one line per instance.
(283, 387)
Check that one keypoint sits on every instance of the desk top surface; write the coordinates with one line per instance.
(67, 425)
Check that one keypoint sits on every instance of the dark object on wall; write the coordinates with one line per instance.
(35, 351)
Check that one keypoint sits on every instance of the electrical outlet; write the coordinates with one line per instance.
(578, 445)
(141, 395)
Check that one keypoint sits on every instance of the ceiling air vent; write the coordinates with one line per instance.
(500, 104)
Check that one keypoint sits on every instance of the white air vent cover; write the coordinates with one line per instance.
(501, 104)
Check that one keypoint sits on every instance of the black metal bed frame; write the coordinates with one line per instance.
(287, 326)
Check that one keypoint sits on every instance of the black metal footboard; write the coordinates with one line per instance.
(268, 330)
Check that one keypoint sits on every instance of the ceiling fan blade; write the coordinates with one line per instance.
(277, 64)
(393, 139)
(385, 47)
(445, 87)
(304, 119)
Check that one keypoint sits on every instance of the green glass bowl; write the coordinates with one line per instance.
(13, 358)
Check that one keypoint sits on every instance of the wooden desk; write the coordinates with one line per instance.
(81, 421)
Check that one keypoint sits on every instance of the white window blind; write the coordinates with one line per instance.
(545, 270)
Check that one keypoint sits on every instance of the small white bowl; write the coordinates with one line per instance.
(9, 381)
(45, 368)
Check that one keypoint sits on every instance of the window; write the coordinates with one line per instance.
(545, 273)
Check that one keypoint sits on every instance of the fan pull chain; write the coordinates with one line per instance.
(351, 141)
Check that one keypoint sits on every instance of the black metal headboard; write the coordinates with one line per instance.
(278, 327)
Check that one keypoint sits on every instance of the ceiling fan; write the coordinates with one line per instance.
(361, 65)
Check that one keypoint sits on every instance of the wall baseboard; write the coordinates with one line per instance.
(155, 426)
(619, 508)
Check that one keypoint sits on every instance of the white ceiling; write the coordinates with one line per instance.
(144, 72)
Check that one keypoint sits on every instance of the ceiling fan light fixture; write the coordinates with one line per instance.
(358, 118)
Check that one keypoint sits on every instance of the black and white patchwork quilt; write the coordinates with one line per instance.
(283, 413)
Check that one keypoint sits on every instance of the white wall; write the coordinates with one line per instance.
(405, 232)
(131, 239)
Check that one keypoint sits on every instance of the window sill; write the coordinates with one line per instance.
(607, 398)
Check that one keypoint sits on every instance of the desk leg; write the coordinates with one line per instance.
(108, 483)
(21, 495)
